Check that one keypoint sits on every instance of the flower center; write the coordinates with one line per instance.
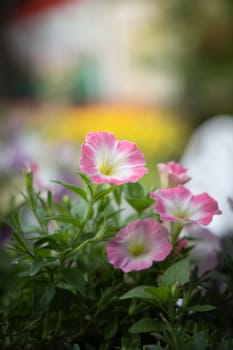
(137, 249)
(106, 168)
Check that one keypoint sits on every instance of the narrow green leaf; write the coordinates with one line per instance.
(87, 182)
(103, 193)
(66, 219)
(177, 273)
(145, 325)
(46, 241)
(73, 188)
(202, 308)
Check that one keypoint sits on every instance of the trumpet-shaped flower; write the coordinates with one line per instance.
(106, 159)
(179, 204)
(172, 174)
(137, 245)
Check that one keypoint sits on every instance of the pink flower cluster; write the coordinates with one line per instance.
(143, 241)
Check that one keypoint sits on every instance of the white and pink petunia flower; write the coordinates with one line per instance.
(106, 159)
(179, 204)
(138, 245)
(172, 174)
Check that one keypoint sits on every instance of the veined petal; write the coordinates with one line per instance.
(138, 245)
(179, 204)
(172, 174)
(106, 159)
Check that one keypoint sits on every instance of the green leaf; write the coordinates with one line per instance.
(47, 295)
(145, 325)
(65, 219)
(137, 292)
(45, 242)
(178, 273)
(137, 197)
(75, 278)
(76, 347)
(111, 328)
(155, 347)
(87, 182)
(38, 263)
(73, 188)
(202, 308)
(140, 204)
(104, 192)
(134, 190)
(162, 293)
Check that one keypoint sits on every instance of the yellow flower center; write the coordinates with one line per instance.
(137, 249)
(106, 169)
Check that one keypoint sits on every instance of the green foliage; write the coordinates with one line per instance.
(59, 291)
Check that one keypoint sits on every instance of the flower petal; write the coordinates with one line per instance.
(138, 245)
(105, 159)
(178, 204)
(172, 174)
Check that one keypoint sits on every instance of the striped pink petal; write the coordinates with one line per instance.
(172, 174)
(106, 159)
(179, 204)
(138, 245)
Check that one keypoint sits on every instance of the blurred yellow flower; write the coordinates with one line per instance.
(157, 133)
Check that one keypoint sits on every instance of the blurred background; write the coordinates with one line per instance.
(148, 71)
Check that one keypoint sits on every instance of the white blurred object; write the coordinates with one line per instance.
(209, 158)
(205, 247)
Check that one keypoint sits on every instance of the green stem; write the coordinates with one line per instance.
(58, 324)
(45, 328)
(175, 232)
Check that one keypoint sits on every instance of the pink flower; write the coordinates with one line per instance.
(105, 159)
(137, 245)
(179, 204)
(206, 247)
(172, 174)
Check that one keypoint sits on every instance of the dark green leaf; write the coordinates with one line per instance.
(111, 328)
(162, 293)
(38, 263)
(138, 292)
(47, 295)
(202, 308)
(75, 278)
(145, 325)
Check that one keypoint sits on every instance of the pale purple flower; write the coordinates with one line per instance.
(179, 204)
(106, 159)
(172, 174)
(206, 247)
(138, 245)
